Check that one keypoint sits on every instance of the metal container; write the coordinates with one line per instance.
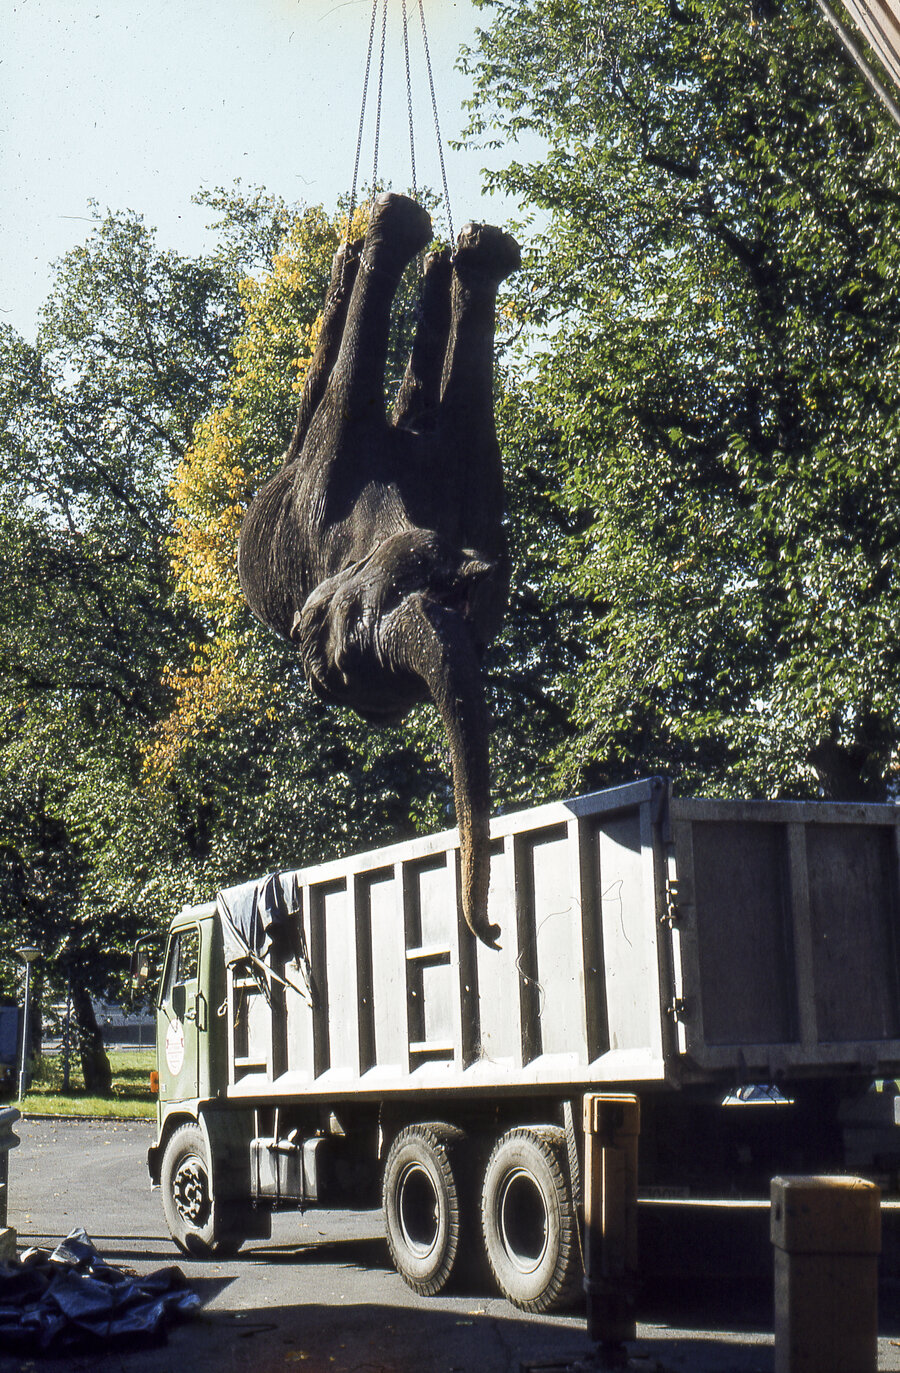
(643, 939)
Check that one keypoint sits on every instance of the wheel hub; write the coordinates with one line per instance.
(523, 1221)
(418, 1210)
(190, 1191)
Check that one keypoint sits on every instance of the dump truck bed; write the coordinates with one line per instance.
(644, 939)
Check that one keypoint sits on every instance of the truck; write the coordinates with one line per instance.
(10, 1018)
(336, 1037)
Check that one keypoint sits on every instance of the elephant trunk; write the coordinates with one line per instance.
(436, 645)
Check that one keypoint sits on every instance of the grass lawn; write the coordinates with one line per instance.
(130, 1095)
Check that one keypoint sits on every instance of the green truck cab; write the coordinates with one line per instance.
(189, 1030)
(197, 1160)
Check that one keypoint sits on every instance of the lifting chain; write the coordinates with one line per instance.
(409, 106)
(409, 102)
(437, 122)
(362, 115)
(380, 90)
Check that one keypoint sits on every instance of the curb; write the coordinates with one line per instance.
(49, 1115)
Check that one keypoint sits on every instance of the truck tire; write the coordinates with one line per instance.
(529, 1219)
(197, 1224)
(423, 1205)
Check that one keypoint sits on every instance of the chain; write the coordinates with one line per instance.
(437, 123)
(362, 116)
(378, 106)
(409, 107)
(409, 100)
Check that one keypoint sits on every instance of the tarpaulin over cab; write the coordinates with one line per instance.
(256, 918)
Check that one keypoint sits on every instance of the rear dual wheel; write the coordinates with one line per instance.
(529, 1220)
(424, 1205)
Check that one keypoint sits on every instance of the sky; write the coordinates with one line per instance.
(138, 104)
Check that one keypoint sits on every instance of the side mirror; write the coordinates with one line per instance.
(140, 967)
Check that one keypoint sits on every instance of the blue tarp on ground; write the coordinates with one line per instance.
(70, 1300)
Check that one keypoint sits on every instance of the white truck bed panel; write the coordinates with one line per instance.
(643, 940)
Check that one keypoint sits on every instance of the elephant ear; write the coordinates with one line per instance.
(336, 628)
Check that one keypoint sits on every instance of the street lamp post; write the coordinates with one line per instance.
(27, 954)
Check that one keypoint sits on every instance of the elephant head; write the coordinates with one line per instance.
(379, 547)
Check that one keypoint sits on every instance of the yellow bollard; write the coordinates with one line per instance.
(611, 1130)
(827, 1237)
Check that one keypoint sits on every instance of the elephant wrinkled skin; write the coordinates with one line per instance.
(379, 548)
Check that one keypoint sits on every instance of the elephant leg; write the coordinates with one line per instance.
(484, 256)
(334, 314)
(398, 229)
(420, 390)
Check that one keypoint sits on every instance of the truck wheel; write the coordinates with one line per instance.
(422, 1205)
(196, 1223)
(529, 1220)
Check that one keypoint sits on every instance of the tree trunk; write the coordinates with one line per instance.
(94, 1062)
(852, 772)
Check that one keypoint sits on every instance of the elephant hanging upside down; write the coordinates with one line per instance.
(379, 546)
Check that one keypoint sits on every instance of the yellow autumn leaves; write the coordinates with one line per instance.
(234, 450)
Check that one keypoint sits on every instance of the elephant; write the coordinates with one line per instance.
(378, 548)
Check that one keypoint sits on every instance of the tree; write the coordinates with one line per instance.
(713, 321)
(154, 744)
(133, 347)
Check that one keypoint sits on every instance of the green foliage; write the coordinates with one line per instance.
(132, 349)
(713, 320)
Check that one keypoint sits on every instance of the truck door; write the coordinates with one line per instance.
(182, 1018)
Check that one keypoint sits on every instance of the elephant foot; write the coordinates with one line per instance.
(417, 400)
(437, 268)
(398, 229)
(485, 252)
(344, 267)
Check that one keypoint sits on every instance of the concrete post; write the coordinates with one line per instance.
(8, 1117)
(827, 1237)
(611, 1130)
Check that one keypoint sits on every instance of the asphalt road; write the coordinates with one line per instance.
(322, 1296)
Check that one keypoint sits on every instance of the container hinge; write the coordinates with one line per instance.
(672, 913)
(678, 1008)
